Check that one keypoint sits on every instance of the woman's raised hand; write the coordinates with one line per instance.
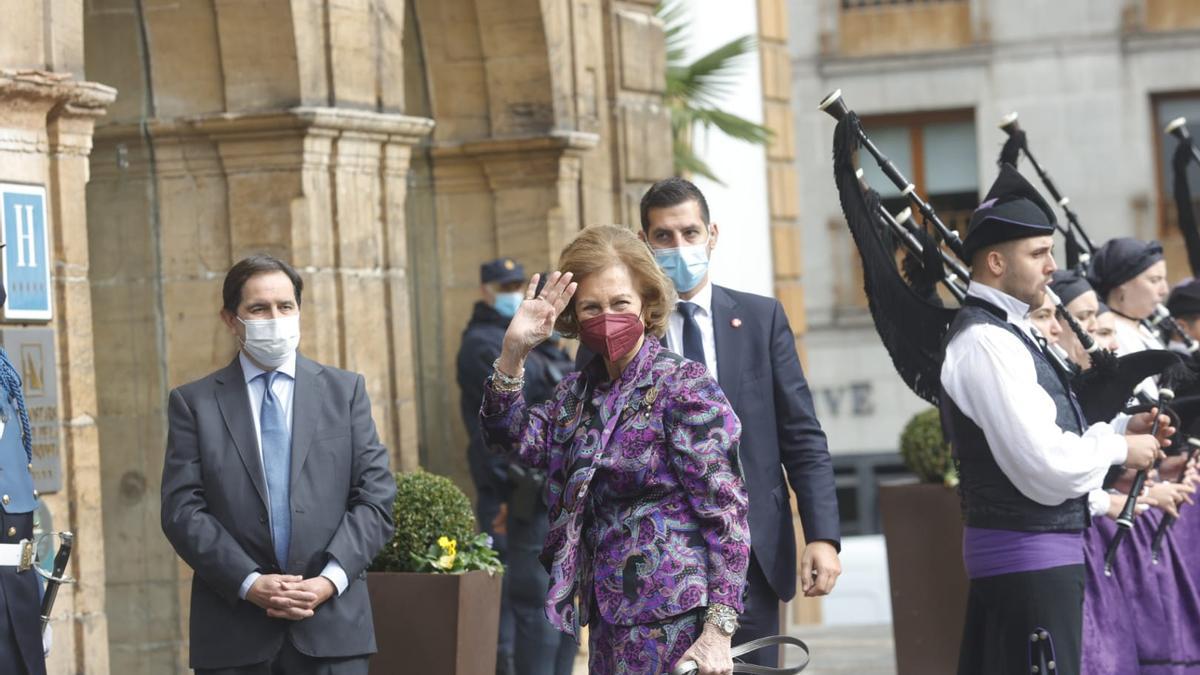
(534, 321)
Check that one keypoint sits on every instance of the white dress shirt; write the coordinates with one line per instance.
(284, 389)
(990, 376)
(704, 319)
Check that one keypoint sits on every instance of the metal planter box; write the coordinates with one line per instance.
(922, 524)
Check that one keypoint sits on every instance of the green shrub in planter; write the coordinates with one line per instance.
(925, 451)
(428, 509)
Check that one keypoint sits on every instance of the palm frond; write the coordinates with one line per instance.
(732, 125)
(688, 164)
(673, 14)
(695, 90)
(711, 75)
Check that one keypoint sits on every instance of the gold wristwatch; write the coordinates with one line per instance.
(724, 617)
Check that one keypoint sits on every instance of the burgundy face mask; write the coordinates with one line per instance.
(612, 335)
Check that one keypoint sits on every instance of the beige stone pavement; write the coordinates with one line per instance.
(835, 650)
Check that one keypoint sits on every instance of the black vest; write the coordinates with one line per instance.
(989, 498)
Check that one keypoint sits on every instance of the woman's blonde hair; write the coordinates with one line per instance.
(599, 247)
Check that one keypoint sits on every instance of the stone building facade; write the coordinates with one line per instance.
(385, 147)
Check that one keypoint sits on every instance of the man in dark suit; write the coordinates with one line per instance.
(746, 342)
(277, 492)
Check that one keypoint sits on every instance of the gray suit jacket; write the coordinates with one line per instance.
(214, 511)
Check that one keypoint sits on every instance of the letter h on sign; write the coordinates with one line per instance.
(26, 263)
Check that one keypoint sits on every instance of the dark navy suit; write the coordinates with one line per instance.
(782, 444)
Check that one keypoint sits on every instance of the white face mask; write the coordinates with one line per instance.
(271, 341)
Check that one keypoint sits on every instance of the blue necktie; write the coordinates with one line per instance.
(276, 446)
(693, 345)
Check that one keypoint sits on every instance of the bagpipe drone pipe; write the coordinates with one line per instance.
(1185, 153)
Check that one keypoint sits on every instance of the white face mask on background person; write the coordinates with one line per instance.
(271, 341)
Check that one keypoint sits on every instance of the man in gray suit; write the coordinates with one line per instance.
(277, 492)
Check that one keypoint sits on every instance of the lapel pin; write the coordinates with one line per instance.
(736, 323)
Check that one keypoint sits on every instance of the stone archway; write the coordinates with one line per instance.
(549, 118)
(289, 126)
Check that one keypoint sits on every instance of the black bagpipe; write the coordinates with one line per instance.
(1180, 375)
(1079, 246)
(1186, 410)
(1125, 519)
(909, 316)
(1186, 152)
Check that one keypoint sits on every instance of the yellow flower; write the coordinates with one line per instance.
(445, 562)
(443, 541)
(448, 545)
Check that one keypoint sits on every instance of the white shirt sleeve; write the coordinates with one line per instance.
(990, 376)
(247, 583)
(1098, 502)
(336, 575)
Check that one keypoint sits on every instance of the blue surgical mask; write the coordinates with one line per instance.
(507, 303)
(684, 266)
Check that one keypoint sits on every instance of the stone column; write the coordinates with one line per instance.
(641, 125)
(46, 124)
(782, 188)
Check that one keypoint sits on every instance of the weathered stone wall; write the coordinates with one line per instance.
(46, 116)
(549, 118)
(290, 127)
(304, 129)
(278, 129)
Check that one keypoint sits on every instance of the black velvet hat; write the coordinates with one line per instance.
(1068, 285)
(1120, 260)
(1013, 209)
(1185, 299)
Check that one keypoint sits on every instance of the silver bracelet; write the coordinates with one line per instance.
(502, 382)
(724, 617)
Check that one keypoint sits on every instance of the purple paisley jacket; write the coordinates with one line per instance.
(647, 506)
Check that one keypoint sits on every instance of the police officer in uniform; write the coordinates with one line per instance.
(21, 649)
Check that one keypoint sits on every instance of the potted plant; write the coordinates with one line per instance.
(435, 587)
(922, 525)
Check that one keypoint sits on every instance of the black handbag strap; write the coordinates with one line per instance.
(689, 667)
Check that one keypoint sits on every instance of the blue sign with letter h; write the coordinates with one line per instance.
(26, 254)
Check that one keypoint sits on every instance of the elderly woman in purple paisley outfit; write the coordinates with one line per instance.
(648, 542)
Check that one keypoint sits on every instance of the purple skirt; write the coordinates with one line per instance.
(643, 649)
(1145, 618)
(1108, 644)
